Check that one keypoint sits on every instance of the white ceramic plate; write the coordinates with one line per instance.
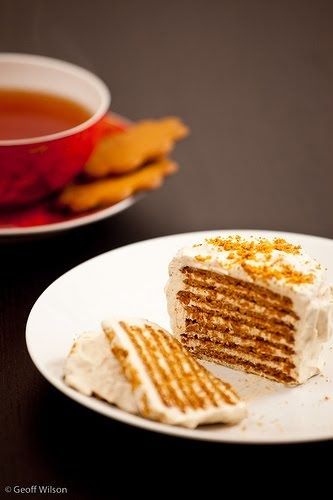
(129, 281)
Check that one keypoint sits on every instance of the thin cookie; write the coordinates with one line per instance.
(147, 140)
(106, 192)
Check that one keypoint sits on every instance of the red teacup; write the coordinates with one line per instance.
(33, 168)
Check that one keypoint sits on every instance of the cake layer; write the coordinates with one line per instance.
(259, 346)
(220, 317)
(248, 315)
(241, 334)
(285, 364)
(258, 305)
(238, 289)
(245, 365)
(238, 285)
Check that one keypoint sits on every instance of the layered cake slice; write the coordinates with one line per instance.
(141, 368)
(253, 304)
(168, 384)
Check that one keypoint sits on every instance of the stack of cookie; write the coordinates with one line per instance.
(126, 163)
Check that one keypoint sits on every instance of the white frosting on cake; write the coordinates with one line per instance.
(92, 369)
(312, 301)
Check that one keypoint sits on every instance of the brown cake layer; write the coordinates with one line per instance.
(244, 345)
(240, 324)
(248, 366)
(258, 306)
(249, 313)
(240, 289)
(243, 353)
(202, 313)
(243, 336)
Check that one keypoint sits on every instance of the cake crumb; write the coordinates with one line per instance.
(202, 258)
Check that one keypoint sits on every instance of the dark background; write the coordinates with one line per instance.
(254, 81)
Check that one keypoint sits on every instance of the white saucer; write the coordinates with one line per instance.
(83, 220)
(129, 281)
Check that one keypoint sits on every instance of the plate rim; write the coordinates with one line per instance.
(82, 220)
(111, 411)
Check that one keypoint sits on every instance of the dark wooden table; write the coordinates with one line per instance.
(254, 81)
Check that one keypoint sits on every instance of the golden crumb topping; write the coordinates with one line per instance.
(284, 272)
(244, 252)
(249, 248)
